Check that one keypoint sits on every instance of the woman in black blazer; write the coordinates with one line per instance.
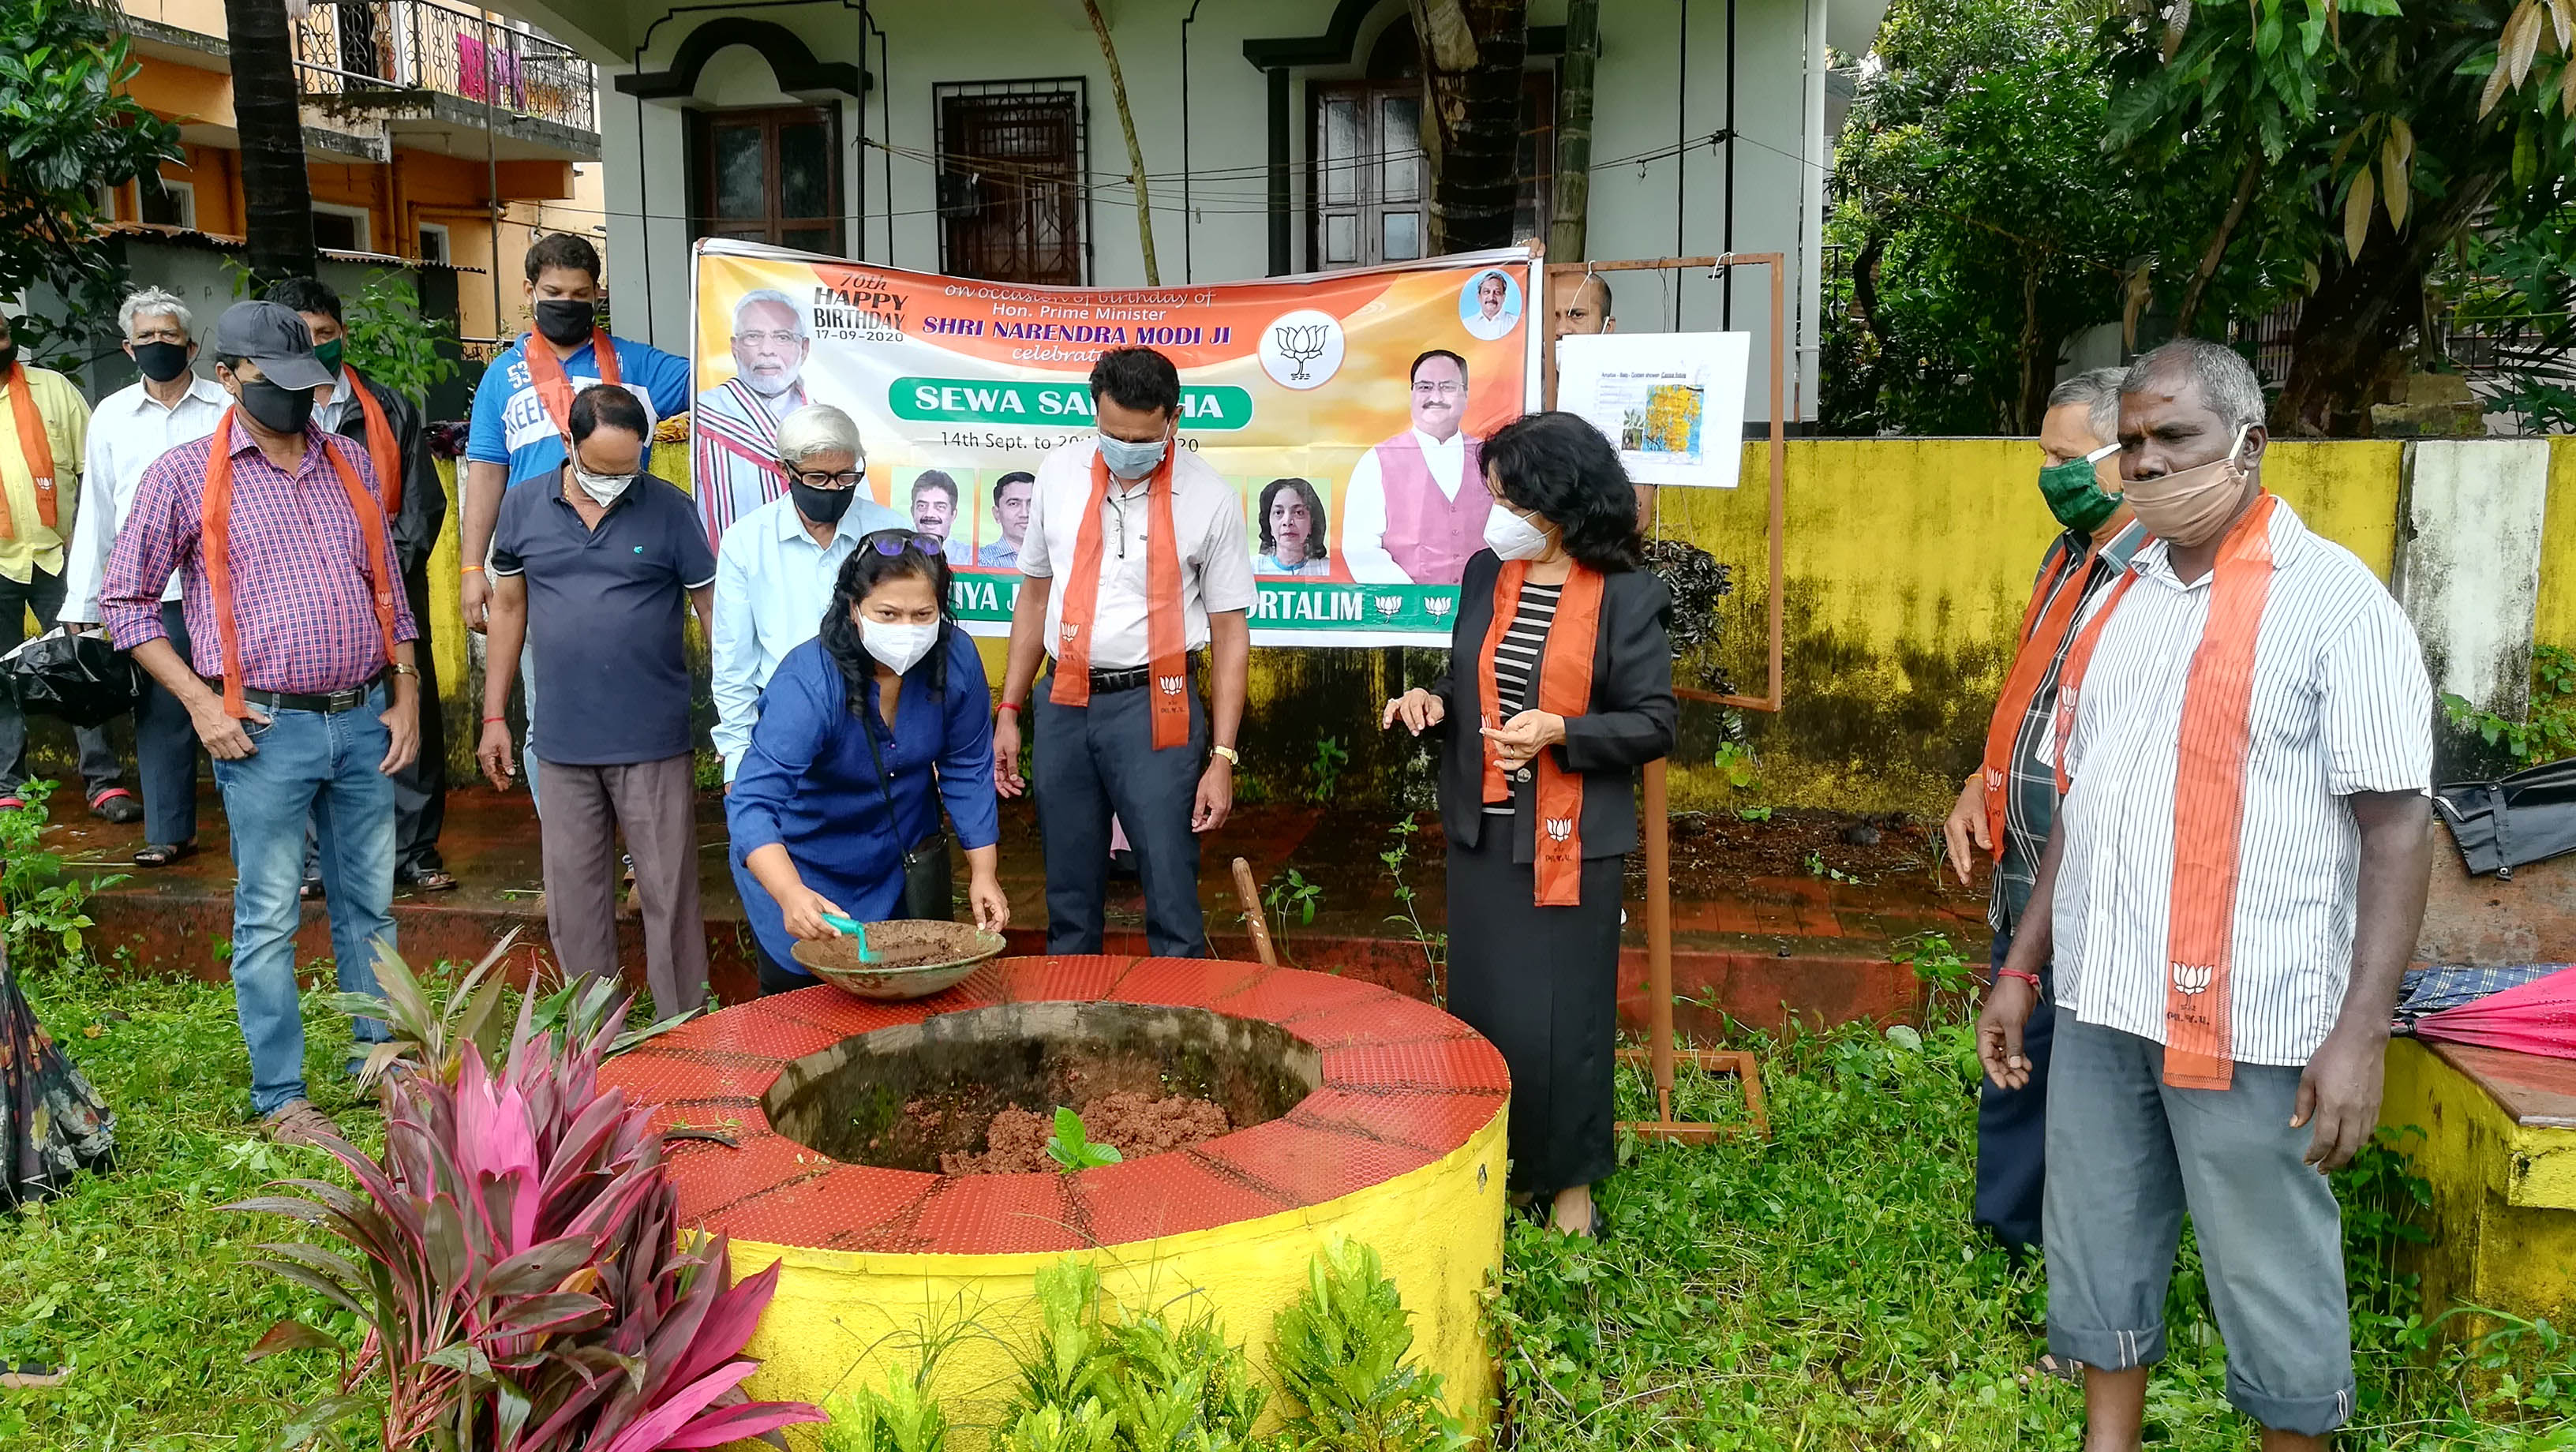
(1560, 686)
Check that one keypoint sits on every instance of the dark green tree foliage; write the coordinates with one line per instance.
(2359, 143)
(66, 133)
(1978, 224)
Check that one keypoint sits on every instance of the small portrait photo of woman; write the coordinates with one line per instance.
(1291, 517)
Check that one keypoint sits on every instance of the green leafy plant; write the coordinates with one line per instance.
(2548, 732)
(1071, 1146)
(901, 1418)
(1434, 945)
(393, 344)
(48, 915)
(1735, 762)
(1290, 894)
(433, 1023)
(1324, 770)
(1753, 814)
(1340, 1355)
(1937, 964)
(72, 134)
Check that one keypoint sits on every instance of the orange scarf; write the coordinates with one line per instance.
(1166, 640)
(2030, 667)
(2209, 797)
(554, 386)
(1564, 689)
(381, 448)
(33, 443)
(215, 540)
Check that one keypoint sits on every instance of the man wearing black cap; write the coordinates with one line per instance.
(302, 684)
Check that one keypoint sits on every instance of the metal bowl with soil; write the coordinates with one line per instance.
(907, 958)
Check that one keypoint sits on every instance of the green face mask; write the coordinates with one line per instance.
(2077, 499)
(328, 354)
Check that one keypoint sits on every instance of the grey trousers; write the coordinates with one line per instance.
(652, 803)
(2127, 1154)
(1096, 760)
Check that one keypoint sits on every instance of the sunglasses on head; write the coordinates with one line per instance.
(892, 542)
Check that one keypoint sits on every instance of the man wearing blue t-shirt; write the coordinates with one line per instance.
(523, 406)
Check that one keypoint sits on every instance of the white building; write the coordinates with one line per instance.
(979, 138)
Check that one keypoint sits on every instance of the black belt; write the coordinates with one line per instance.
(328, 705)
(1109, 682)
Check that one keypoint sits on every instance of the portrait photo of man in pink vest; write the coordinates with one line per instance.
(1416, 506)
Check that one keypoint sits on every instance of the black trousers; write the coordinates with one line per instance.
(420, 789)
(1098, 760)
(2012, 1131)
(1541, 983)
(166, 749)
(43, 594)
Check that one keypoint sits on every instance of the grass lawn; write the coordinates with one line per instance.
(1820, 1291)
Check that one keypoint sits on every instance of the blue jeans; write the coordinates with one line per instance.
(319, 768)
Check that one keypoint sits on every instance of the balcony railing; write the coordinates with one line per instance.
(353, 47)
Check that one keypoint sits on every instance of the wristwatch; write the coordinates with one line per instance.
(1232, 758)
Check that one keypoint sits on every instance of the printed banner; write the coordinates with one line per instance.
(1345, 409)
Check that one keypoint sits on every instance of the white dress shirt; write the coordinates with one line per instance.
(344, 396)
(772, 586)
(2340, 706)
(1364, 505)
(127, 432)
(1207, 515)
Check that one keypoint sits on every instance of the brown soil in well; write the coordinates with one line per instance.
(1134, 1124)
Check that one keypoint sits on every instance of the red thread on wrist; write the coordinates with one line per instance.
(2030, 978)
(1006, 706)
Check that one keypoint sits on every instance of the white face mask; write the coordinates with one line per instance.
(1511, 537)
(897, 647)
(603, 489)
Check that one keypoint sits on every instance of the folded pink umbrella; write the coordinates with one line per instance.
(2538, 1017)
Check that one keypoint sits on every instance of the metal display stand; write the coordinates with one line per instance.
(1660, 1054)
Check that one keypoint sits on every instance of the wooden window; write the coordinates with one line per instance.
(771, 175)
(1012, 205)
(1371, 183)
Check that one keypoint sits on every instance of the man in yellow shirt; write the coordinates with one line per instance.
(44, 427)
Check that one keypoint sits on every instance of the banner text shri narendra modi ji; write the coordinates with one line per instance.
(1347, 410)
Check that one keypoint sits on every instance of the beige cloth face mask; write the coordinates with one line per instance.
(2189, 507)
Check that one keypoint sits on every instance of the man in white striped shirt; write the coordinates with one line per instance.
(2231, 890)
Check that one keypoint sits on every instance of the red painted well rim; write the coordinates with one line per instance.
(1404, 1085)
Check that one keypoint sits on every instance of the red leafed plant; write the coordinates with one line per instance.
(516, 1258)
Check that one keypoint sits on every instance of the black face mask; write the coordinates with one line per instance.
(278, 410)
(823, 506)
(565, 320)
(161, 362)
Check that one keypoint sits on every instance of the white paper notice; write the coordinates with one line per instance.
(1672, 403)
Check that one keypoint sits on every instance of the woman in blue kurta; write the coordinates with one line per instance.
(865, 732)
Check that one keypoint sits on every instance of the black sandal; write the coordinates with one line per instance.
(164, 854)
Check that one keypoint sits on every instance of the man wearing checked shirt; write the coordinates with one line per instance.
(2079, 480)
(306, 709)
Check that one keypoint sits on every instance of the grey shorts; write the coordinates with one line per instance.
(2126, 1156)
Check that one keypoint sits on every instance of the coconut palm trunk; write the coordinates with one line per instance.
(1572, 205)
(1471, 78)
(277, 200)
(1135, 153)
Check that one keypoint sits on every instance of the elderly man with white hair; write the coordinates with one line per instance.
(734, 454)
(171, 405)
(775, 567)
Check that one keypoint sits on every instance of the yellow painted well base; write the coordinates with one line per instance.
(2504, 1197)
(843, 1319)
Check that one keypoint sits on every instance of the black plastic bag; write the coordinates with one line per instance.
(81, 679)
(2501, 825)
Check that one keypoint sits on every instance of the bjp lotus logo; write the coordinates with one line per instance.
(1440, 605)
(1302, 349)
(1388, 606)
(1171, 684)
(2193, 978)
(1559, 828)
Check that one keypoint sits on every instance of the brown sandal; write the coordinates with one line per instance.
(427, 879)
(164, 854)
